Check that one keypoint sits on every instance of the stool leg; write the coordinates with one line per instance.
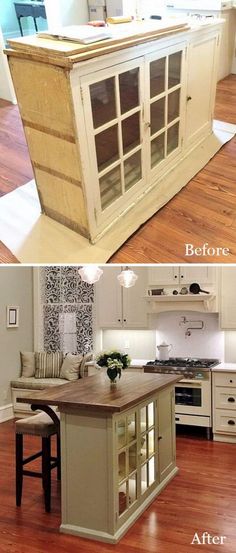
(58, 458)
(19, 468)
(46, 472)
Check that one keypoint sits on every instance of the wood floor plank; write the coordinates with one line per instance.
(202, 497)
(203, 211)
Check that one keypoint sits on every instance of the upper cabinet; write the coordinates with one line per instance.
(119, 307)
(173, 275)
(228, 298)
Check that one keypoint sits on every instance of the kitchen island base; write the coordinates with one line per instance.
(36, 238)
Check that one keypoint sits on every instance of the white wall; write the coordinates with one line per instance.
(139, 344)
(208, 342)
(15, 289)
(230, 346)
(6, 85)
(66, 12)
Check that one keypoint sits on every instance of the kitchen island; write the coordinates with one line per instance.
(117, 449)
(115, 129)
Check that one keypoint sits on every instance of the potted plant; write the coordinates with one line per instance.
(114, 361)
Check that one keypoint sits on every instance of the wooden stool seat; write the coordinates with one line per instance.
(37, 425)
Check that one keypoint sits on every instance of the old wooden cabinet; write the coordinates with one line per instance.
(104, 130)
(119, 307)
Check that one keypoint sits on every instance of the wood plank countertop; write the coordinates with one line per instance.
(67, 52)
(96, 393)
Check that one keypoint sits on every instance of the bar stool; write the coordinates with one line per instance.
(37, 425)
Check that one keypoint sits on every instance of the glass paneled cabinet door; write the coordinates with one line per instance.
(136, 450)
(113, 103)
(165, 105)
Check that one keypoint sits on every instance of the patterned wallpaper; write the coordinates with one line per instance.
(67, 305)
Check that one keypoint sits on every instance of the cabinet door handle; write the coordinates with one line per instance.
(189, 98)
(177, 418)
(159, 438)
(231, 399)
(232, 423)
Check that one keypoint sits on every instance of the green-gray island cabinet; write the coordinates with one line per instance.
(117, 449)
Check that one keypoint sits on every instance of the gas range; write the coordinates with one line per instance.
(190, 368)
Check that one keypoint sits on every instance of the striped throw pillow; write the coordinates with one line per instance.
(48, 365)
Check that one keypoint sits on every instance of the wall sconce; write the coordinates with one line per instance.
(127, 278)
(90, 273)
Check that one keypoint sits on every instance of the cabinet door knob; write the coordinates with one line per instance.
(177, 418)
(124, 320)
(175, 276)
(159, 438)
(232, 423)
(231, 399)
(231, 381)
(118, 320)
(189, 98)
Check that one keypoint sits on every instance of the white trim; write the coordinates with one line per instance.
(36, 307)
(6, 412)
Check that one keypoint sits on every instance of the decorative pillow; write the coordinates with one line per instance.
(83, 371)
(70, 366)
(27, 363)
(48, 365)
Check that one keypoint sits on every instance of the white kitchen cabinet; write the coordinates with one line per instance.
(228, 298)
(119, 307)
(174, 275)
(224, 406)
(202, 67)
(113, 136)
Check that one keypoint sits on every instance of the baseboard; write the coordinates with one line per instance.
(6, 412)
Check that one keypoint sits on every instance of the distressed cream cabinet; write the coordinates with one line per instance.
(106, 131)
(224, 406)
(119, 307)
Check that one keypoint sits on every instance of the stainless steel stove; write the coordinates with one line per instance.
(193, 404)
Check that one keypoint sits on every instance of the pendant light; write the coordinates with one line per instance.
(127, 278)
(90, 273)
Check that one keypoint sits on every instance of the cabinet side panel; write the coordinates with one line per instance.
(85, 497)
(166, 425)
(62, 201)
(44, 96)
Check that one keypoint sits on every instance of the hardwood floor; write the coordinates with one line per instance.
(202, 497)
(204, 211)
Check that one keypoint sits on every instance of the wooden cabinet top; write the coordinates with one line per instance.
(63, 52)
(96, 393)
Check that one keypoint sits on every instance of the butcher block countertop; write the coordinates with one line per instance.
(67, 52)
(96, 393)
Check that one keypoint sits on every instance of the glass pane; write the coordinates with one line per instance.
(129, 89)
(122, 498)
(130, 132)
(157, 77)
(132, 458)
(103, 101)
(151, 443)
(121, 463)
(144, 483)
(132, 488)
(157, 149)
(121, 435)
(132, 170)
(172, 138)
(110, 187)
(157, 115)
(173, 105)
(144, 452)
(150, 414)
(143, 419)
(107, 147)
(151, 471)
(174, 73)
(131, 427)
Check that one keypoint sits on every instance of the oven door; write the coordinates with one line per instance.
(193, 397)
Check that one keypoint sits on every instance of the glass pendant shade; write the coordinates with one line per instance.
(90, 273)
(127, 278)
